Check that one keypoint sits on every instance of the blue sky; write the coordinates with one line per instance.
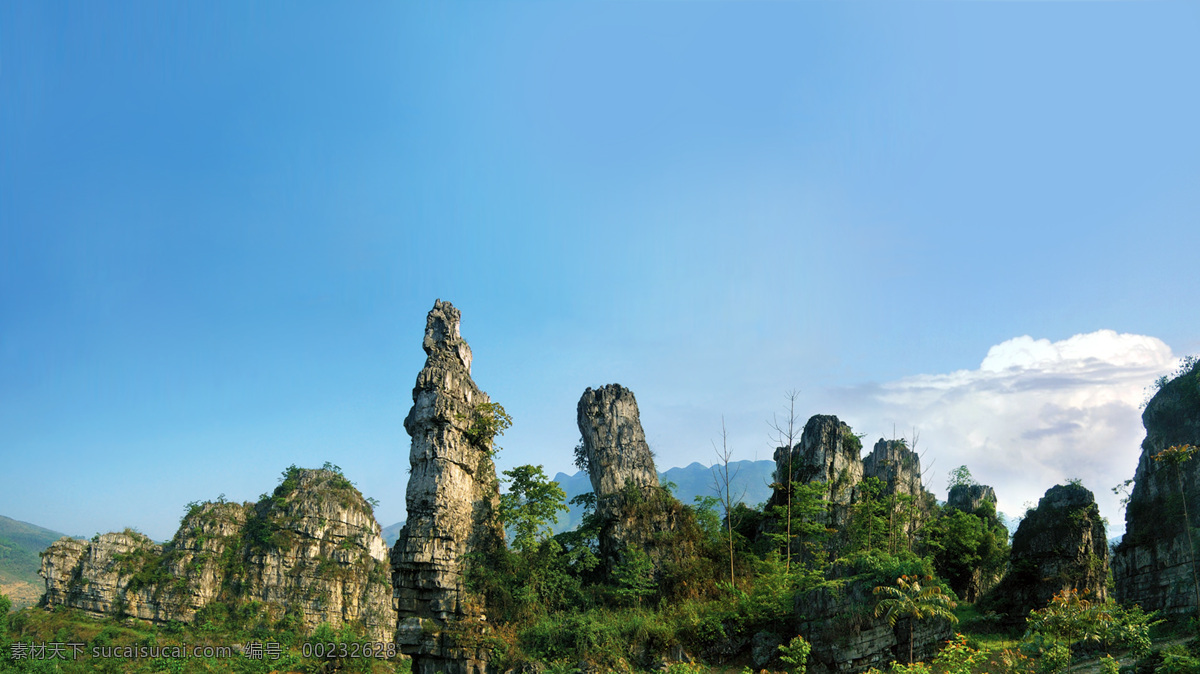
(222, 225)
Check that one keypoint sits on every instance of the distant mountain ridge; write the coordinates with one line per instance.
(751, 485)
(751, 482)
(21, 544)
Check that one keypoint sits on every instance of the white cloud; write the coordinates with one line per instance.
(1034, 414)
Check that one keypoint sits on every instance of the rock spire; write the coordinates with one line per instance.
(452, 500)
(621, 468)
(1152, 567)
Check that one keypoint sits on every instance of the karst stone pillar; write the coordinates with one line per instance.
(452, 502)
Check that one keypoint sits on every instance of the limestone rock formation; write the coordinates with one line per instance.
(614, 442)
(968, 498)
(452, 498)
(1059, 545)
(1152, 566)
(94, 576)
(896, 466)
(845, 640)
(619, 465)
(829, 453)
(899, 469)
(312, 550)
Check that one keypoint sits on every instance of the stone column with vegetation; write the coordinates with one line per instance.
(453, 498)
(1155, 564)
(1060, 545)
(828, 454)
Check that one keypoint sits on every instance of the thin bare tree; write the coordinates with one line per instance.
(723, 485)
(786, 433)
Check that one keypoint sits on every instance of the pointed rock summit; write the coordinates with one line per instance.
(452, 501)
(897, 466)
(1059, 545)
(829, 453)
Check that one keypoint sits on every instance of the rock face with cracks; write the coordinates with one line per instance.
(968, 498)
(1153, 565)
(452, 498)
(1059, 545)
(899, 469)
(828, 453)
(621, 469)
(311, 551)
(847, 640)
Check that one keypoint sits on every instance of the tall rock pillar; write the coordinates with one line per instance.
(452, 502)
(1155, 565)
(621, 469)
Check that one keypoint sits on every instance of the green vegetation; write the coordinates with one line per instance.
(245, 642)
(910, 599)
(20, 546)
(967, 547)
(1176, 456)
(961, 477)
(484, 424)
(530, 505)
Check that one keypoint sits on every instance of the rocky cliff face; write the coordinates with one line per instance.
(620, 467)
(1152, 566)
(968, 498)
(899, 469)
(614, 442)
(828, 453)
(896, 466)
(1059, 545)
(452, 500)
(312, 550)
(845, 640)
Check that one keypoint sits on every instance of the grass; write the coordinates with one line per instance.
(105, 645)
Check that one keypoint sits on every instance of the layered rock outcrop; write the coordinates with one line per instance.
(969, 497)
(845, 640)
(1059, 545)
(452, 498)
(1153, 564)
(311, 551)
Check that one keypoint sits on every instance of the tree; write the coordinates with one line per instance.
(961, 477)
(795, 653)
(1176, 456)
(785, 437)
(723, 485)
(634, 575)
(1072, 618)
(867, 514)
(910, 599)
(485, 422)
(530, 506)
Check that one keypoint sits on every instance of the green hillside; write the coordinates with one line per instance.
(20, 545)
